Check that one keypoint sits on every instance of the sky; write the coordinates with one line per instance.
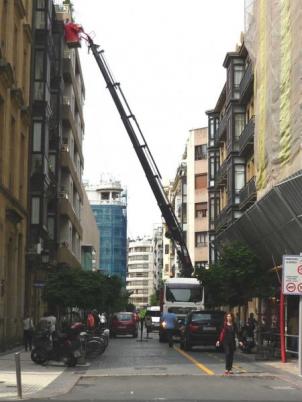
(167, 56)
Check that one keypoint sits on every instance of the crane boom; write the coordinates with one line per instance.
(146, 159)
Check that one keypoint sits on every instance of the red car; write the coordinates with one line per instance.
(123, 323)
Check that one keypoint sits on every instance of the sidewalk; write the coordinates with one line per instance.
(34, 378)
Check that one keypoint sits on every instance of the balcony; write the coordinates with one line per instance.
(222, 128)
(246, 139)
(246, 85)
(67, 163)
(69, 77)
(223, 219)
(65, 256)
(248, 194)
(221, 176)
(67, 210)
(69, 121)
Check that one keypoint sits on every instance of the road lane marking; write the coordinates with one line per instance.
(194, 361)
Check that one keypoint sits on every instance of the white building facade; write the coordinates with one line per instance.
(141, 276)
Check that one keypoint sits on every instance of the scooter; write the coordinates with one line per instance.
(57, 347)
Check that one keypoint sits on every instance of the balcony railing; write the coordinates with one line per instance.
(222, 219)
(248, 194)
(221, 128)
(247, 136)
(221, 173)
(246, 84)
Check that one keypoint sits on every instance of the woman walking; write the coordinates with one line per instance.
(227, 338)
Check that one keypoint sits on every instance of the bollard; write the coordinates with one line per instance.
(18, 374)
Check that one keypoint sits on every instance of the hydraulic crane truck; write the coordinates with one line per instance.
(73, 34)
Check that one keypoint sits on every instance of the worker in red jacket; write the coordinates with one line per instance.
(72, 33)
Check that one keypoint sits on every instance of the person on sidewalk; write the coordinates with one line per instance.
(28, 330)
(171, 322)
(227, 338)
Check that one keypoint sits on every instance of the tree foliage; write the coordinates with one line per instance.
(154, 299)
(236, 277)
(86, 290)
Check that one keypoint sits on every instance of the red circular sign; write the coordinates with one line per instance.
(299, 269)
(291, 287)
(300, 287)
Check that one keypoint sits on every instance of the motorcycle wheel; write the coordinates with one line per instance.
(94, 348)
(38, 356)
(70, 360)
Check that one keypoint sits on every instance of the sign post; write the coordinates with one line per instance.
(300, 336)
(292, 285)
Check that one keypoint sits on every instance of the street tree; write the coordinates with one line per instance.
(238, 276)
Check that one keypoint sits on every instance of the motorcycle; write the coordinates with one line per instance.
(57, 346)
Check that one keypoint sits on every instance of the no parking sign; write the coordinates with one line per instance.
(292, 275)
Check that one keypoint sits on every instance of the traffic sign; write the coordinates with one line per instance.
(292, 275)
(291, 287)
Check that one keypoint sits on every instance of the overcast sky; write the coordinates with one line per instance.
(167, 55)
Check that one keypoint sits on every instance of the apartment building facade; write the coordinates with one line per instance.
(197, 236)
(108, 201)
(158, 255)
(258, 200)
(141, 281)
(56, 157)
(15, 54)
(231, 126)
(90, 246)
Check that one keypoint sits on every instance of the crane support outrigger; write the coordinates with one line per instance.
(143, 153)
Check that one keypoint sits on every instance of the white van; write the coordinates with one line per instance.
(154, 312)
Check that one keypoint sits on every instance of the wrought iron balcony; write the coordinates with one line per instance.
(248, 194)
(246, 139)
(246, 84)
(221, 174)
(221, 128)
(223, 219)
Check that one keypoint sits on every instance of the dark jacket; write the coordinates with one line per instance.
(228, 334)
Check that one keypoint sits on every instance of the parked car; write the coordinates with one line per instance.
(201, 328)
(154, 313)
(123, 323)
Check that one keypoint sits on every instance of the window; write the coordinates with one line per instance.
(39, 65)
(201, 239)
(52, 163)
(201, 152)
(238, 74)
(35, 210)
(201, 209)
(40, 20)
(37, 136)
(201, 181)
(105, 196)
(239, 177)
(51, 227)
(40, 4)
(201, 264)
(166, 248)
(239, 124)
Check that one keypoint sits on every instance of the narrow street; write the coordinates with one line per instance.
(149, 371)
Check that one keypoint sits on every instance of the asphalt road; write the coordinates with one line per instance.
(131, 370)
